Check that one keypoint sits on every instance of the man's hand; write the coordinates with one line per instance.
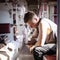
(31, 49)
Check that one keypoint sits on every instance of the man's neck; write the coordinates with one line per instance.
(38, 22)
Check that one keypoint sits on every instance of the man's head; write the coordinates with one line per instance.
(31, 18)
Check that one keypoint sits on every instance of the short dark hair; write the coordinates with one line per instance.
(28, 16)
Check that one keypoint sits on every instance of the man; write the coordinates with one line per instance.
(45, 27)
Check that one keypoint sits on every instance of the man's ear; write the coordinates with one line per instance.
(35, 20)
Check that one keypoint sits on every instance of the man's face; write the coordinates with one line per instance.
(30, 24)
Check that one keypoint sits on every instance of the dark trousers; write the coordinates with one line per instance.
(39, 52)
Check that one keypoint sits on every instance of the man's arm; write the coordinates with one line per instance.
(39, 39)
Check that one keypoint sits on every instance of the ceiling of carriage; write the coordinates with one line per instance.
(33, 2)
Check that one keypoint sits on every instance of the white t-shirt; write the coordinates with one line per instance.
(46, 26)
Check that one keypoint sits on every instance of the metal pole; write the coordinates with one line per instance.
(58, 40)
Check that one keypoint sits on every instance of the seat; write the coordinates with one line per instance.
(49, 57)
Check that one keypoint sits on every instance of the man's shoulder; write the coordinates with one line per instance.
(45, 19)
